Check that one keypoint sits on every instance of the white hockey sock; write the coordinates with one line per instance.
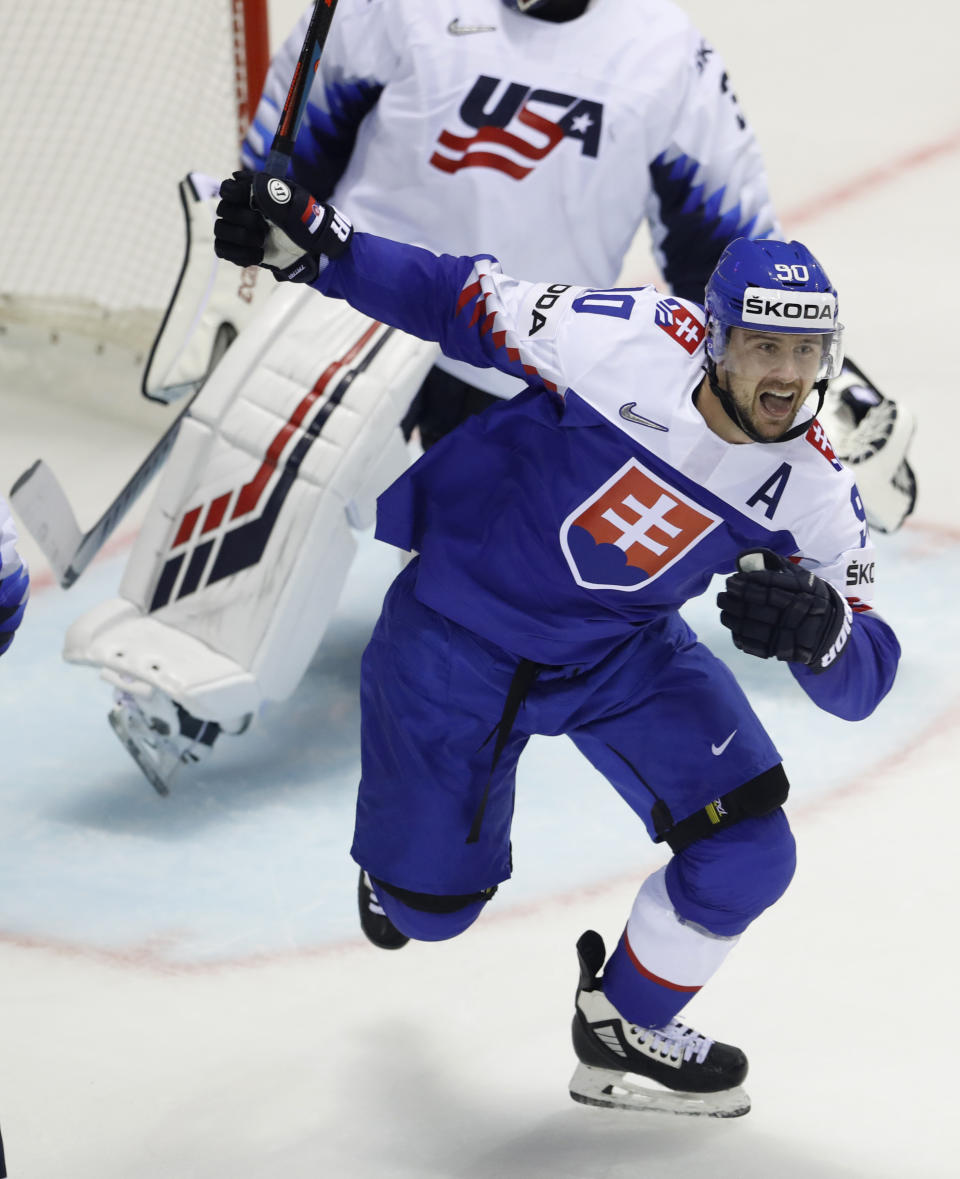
(664, 946)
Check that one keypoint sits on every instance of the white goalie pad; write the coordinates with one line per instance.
(211, 303)
(241, 560)
(875, 450)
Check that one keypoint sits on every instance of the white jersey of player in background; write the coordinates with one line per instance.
(8, 530)
(14, 589)
(451, 126)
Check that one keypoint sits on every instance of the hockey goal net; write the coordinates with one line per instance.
(107, 104)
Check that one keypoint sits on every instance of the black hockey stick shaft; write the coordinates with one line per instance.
(281, 150)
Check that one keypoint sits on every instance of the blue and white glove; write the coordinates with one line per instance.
(14, 582)
(263, 221)
(775, 609)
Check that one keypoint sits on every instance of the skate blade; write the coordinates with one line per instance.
(149, 770)
(609, 1089)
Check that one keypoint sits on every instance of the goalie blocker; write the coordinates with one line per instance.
(241, 560)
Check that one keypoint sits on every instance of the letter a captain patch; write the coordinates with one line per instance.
(631, 530)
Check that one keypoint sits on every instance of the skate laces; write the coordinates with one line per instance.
(676, 1040)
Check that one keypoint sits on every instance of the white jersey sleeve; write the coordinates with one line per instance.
(358, 60)
(833, 536)
(9, 558)
(14, 579)
(708, 183)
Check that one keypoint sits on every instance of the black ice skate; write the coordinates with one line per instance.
(690, 1073)
(373, 921)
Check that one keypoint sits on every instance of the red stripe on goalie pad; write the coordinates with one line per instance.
(187, 525)
(215, 513)
(250, 493)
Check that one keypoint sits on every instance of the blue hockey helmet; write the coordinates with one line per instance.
(773, 286)
(778, 287)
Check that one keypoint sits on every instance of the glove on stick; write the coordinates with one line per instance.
(274, 223)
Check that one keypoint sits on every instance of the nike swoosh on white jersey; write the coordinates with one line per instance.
(626, 412)
(459, 30)
(716, 750)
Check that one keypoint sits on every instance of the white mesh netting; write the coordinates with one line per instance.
(108, 104)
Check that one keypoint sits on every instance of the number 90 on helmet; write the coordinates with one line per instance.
(773, 286)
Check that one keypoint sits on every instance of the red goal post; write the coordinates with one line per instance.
(252, 57)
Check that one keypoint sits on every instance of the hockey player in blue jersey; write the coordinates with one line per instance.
(556, 537)
(434, 125)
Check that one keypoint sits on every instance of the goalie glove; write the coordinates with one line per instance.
(265, 221)
(871, 435)
(775, 609)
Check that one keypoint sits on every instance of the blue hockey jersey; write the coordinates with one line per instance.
(599, 499)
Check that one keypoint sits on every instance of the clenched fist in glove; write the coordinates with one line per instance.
(263, 221)
(777, 610)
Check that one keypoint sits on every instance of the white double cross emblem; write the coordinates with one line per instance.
(647, 518)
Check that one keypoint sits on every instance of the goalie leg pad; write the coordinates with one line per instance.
(138, 654)
(242, 557)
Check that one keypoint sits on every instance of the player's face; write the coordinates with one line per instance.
(769, 376)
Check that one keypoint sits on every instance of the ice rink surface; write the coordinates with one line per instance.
(185, 990)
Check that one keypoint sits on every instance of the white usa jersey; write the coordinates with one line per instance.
(463, 126)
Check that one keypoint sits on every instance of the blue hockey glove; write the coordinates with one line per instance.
(263, 221)
(14, 591)
(775, 609)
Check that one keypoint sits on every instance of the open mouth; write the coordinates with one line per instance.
(776, 405)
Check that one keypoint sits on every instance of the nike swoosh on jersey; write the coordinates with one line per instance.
(716, 750)
(626, 412)
(459, 30)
